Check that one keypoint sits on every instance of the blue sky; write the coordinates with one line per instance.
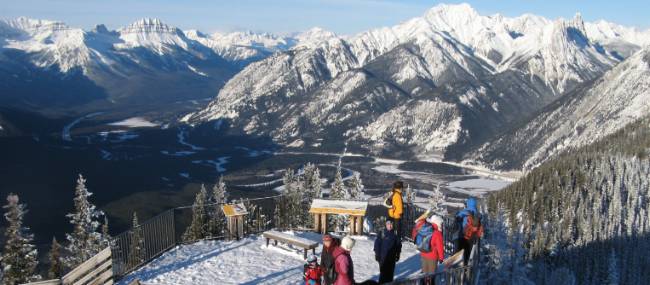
(340, 16)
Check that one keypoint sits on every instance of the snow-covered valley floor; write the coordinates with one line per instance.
(249, 261)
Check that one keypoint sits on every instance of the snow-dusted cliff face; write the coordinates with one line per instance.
(619, 97)
(444, 81)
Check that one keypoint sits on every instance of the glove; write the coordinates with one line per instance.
(377, 257)
(397, 258)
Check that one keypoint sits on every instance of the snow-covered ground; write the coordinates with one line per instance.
(249, 261)
(135, 122)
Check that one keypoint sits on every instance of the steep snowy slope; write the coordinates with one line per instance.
(441, 82)
(618, 98)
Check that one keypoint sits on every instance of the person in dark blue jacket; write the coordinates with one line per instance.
(387, 250)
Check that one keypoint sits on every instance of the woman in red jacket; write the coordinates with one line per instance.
(431, 259)
(343, 263)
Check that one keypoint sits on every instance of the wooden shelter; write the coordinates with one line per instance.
(356, 210)
(235, 215)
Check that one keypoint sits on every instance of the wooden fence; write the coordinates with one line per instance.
(97, 270)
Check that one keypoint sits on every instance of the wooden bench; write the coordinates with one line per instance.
(303, 243)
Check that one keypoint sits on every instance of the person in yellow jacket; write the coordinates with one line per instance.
(397, 207)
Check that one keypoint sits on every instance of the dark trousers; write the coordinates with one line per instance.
(386, 271)
(467, 246)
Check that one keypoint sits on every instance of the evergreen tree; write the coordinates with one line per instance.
(217, 223)
(56, 265)
(198, 227)
(220, 192)
(338, 190)
(19, 259)
(311, 181)
(84, 241)
(293, 199)
(436, 200)
(252, 224)
(356, 187)
(311, 189)
(136, 247)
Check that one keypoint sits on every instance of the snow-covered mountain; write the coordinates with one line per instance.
(618, 98)
(146, 61)
(437, 83)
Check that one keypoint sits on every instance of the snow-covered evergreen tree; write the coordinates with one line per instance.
(498, 253)
(356, 187)
(220, 192)
(56, 264)
(198, 228)
(19, 258)
(338, 190)
(136, 248)
(294, 215)
(217, 223)
(311, 181)
(84, 241)
(311, 189)
(436, 200)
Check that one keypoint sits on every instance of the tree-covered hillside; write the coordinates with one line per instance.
(582, 217)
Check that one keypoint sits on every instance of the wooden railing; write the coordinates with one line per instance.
(94, 271)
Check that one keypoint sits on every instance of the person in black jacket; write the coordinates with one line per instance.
(387, 250)
(327, 260)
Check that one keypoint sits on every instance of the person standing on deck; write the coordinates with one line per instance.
(470, 227)
(396, 207)
(343, 265)
(387, 251)
(427, 235)
(327, 259)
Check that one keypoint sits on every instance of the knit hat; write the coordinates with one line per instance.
(347, 243)
(398, 185)
(327, 237)
(435, 219)
(312, 258)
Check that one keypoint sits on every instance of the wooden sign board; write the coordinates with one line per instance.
(339, 207)
(231, 210)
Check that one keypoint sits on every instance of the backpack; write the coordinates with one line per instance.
(423, 237)
(388, 202)
(474, 229)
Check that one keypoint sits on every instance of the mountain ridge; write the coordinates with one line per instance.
(524, 63)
